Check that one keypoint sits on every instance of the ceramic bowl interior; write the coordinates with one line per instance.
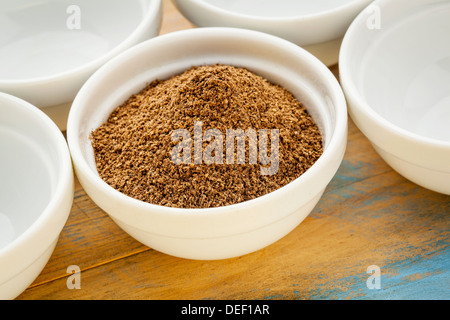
(211, 233)
(25, 174)
(36, 191)
(49, 48)
(46, 38)
(318, 26)
(278, 9)
(395, 70)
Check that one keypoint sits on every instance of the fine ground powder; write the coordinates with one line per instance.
(133, 148)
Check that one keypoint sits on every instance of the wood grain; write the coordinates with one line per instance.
(369, 215)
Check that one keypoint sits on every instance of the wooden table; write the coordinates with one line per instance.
(368, 216)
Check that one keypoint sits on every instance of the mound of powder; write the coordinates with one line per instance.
(134, 148)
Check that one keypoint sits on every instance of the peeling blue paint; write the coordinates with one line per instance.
(420, 278)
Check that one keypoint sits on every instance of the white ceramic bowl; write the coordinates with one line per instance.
(48, 49)
(36, 192)
(318, 26)
(223, 232)
(395, 71)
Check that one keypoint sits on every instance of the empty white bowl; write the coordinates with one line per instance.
(36, 192)
(318, 26)
(395, 71)
(48, 49)
(228, 231)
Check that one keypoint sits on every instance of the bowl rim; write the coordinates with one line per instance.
(353, 93)
(338, 135)
(64, 182)
(353, 4)
(150, 14)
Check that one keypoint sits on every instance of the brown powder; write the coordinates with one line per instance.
(133, 149)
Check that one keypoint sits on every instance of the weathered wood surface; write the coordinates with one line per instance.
(369, 215)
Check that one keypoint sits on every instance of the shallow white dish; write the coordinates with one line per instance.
(224, 232)
(318, 26)
(36, 192)
(48, 49)
(397, 81)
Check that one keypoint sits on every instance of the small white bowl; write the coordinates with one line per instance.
(36, 192)
(48, 49)
(228, 231)
(395, 71)
(317, 26)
